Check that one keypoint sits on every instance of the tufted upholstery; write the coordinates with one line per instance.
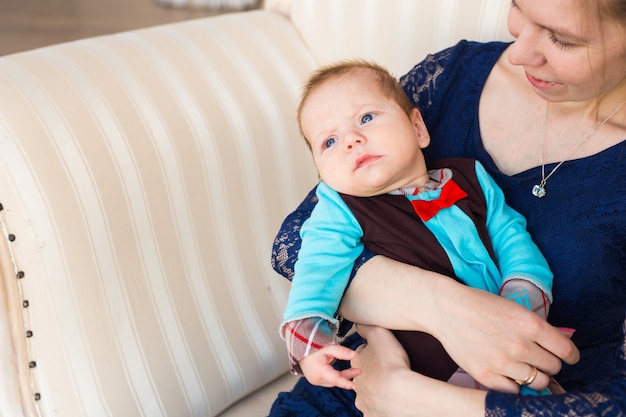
(143, 176)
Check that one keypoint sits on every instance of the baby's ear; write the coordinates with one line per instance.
(423, 137)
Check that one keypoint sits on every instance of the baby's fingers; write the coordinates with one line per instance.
(350, 373)
(344, 378)
(339, 352)
(345, 384)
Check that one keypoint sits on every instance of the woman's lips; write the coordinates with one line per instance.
(540, 84)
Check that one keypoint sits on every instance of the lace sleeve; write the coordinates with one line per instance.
(287, 242)
(604, 398)
(420, 83)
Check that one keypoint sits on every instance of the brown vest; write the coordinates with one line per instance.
(391, 228)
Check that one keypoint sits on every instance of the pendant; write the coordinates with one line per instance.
(539, 191)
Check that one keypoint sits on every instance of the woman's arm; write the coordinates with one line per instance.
(287, 242)
(492, 338)
(398, 296)
(387, 387)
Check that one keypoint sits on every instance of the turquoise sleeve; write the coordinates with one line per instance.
(516, 253)
(331, 242)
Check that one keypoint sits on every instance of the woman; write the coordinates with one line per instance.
(546, 117)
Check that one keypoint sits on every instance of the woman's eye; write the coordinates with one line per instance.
(367, 118)
(560, 44)
(330, 142)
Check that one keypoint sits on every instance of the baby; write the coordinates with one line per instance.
(376, 190)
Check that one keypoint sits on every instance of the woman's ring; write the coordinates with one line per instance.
(529, 379)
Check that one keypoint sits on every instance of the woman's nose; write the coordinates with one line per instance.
(526, 50)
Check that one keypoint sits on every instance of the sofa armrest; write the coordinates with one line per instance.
(143, 176)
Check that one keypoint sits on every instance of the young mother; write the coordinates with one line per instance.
(546, 116)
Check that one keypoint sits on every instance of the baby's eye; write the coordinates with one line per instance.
(366, 118)
(330, 142)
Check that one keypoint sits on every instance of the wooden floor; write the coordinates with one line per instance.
(28, 24)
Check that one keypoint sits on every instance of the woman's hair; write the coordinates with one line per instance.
(613, 9)
(387, 83)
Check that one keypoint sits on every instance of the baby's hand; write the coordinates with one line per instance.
(318, 370)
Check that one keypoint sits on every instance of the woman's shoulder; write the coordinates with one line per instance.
(467, 48)
(459, 70)
(456, 58)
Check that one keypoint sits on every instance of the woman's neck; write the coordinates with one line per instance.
(516, 123)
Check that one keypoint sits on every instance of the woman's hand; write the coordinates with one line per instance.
(497, 341)
(387, 387)
(492, 338)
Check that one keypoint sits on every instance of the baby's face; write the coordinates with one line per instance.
(363, 143)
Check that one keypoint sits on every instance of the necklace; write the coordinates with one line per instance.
(539, 190)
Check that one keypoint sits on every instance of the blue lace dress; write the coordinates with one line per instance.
(580, 226)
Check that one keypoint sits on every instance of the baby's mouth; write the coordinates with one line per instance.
(365, 160)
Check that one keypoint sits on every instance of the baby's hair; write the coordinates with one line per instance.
(386, 81)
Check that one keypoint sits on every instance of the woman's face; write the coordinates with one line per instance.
(568, 52)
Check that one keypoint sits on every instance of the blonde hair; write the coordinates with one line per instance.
(387, 83)
(604, 9)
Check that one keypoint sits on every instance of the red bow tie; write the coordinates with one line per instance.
(450, 194)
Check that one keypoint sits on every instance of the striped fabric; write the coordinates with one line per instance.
(396, 33)
(211, 4)
(143, 176)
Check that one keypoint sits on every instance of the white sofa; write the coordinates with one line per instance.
(143, 176)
